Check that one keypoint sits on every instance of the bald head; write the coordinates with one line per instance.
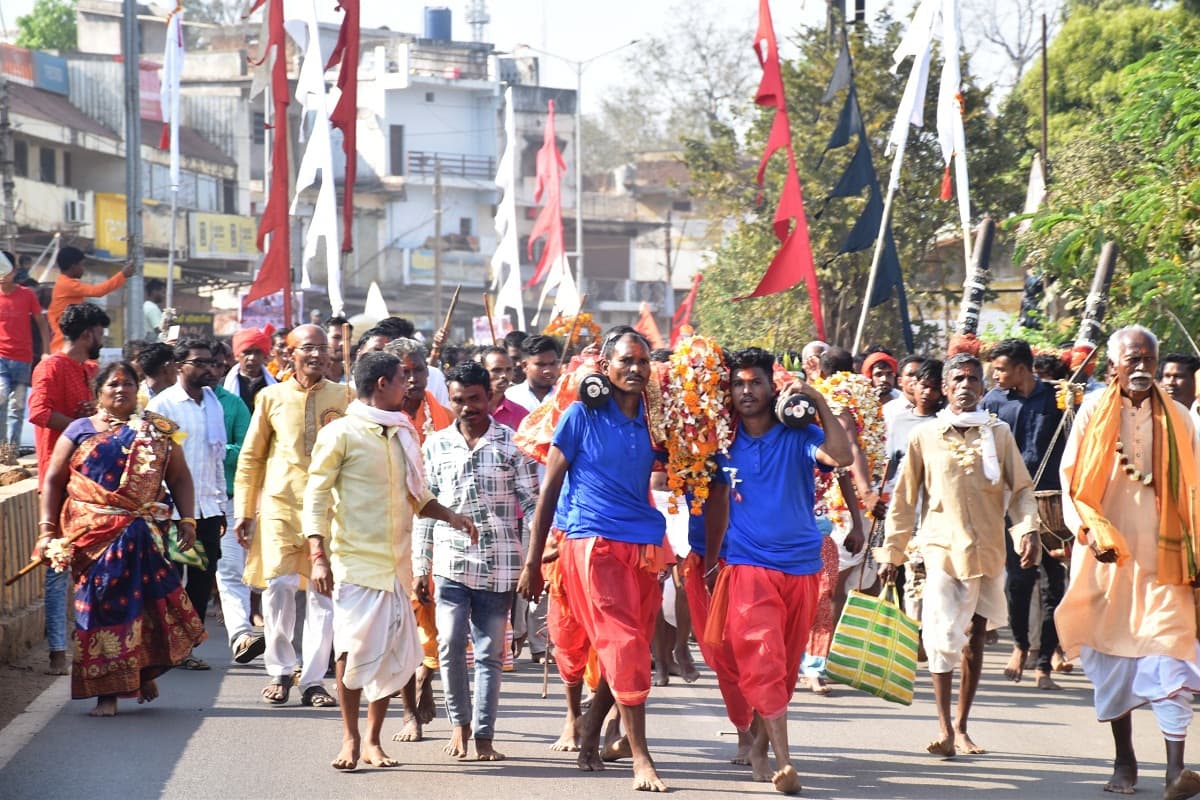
(309, 348)
(306, 334)
(811, 356)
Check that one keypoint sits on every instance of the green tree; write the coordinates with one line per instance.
(50, 25)
(723, 170)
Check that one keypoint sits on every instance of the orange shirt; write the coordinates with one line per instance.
(68, 292)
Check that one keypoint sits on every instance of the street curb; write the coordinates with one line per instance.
(30, 722)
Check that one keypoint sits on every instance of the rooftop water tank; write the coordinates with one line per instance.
(437, 23)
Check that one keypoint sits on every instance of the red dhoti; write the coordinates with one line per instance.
(822, 628)
(613, 591)
(770, 616)
(719, 659)
(571, 644)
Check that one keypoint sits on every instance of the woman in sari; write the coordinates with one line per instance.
(133, 621)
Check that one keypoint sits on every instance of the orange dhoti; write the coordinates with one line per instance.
(719, 659)
(426, 614)
(767, 626)
(613, 591)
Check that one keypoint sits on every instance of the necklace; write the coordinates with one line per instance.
(1133, 473)
(112, 421)
(965, 453)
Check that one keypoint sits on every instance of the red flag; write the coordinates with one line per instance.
(794, 260)
(683, 314)
(275, 272)
(550, 167)
(345, 113)
(647, 326)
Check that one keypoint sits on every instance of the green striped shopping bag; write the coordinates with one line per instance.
(875, 647)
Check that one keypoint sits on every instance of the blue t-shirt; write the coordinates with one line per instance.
(563, 504)
(611, 458)
(771, 497)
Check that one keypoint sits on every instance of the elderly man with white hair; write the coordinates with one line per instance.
(1129, 476)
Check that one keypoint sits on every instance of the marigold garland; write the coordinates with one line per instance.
(697, 418)
(846, 391)
(562, 326)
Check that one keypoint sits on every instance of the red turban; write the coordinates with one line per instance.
(250, 339)
(870, 361)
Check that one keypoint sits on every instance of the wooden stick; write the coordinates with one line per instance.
(32, 565)
(487, 309)
(346, 351)
(445, 329)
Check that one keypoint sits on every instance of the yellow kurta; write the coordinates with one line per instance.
(272, 472)
(1123, 611)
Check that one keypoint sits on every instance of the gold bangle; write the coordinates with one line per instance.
(188, 520)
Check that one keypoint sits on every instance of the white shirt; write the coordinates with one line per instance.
(437, 386)
(204, 447)
(523, 396)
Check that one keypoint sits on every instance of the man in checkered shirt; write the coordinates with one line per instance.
(475, 468)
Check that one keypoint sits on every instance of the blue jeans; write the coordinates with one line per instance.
(486, 613)
(56, 608)
(14, 384)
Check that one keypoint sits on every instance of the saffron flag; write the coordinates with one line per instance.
(316, 165)
(506, 261)
(647, 326)
(274, 274)
(548, 192)
(794, 261)
(345, 113)
(683, 314)
(172, 74)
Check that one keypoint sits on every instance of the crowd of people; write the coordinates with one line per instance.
(413, 510)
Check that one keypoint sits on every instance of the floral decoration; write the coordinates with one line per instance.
(697, 417)
(852, 393)
(59, 553)
(582, 324)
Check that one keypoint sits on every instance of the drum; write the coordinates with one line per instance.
(1051, 526)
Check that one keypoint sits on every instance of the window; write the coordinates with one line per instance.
(429, 97)
(46, 166)
(66, 168)
(259, 124)
(21, 159)
(396, 146)
(207, 191)
(464, 226)
(229, 190)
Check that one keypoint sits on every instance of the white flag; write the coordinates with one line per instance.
(302, 27)
(1035, 192)
(918, 43)
(951, 135)
(506, 261)
(566, 300)
(172, 72)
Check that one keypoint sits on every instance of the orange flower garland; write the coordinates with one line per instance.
(562, 326)
(697, 418)
(846, 391)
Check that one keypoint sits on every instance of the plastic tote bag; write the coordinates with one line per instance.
(875, 647)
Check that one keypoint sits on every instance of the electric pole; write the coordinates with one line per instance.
(6, 172)
(135, 322)
(437, 240)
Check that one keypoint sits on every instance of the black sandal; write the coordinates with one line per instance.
(317, 697)
(284, 682)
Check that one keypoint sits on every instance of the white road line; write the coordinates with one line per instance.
(30, 722)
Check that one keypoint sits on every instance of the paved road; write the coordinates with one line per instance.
(208, 736)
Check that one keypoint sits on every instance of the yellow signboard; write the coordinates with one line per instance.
(222, 236)
(110, 225)
(158, 269)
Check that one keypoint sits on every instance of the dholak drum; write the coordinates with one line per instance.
(1051, 526)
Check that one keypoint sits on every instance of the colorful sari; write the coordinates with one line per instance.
(133, 621)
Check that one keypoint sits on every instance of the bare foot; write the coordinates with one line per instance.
(148, 693)
(58, 663)
(373, 754)
(459, 742)
(685, 667)
(942, 747)
(787, 780)
(1016, 665)
(568, 740)
(1124, 778)
(411, 732)
(106, 706)
(347, 757)
(645, 777)
(589, 759)
(1060, 664)
(426, 708)
(963, 744)
(615, 746)
(745, 741)
(662, 674)
(818, 686)
(760, 766)
(485, 752)
(1185, 786)
(1045, 683)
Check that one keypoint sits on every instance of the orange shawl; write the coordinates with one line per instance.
(1174, 474)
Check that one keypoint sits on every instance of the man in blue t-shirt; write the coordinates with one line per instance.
(772, 548)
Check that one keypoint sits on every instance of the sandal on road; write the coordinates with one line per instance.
(193, 663)
(317, 697)
(277, 692)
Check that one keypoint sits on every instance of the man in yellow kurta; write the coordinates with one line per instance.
(966, 468)
(1129, 483)
(365, 483)
(268, 496)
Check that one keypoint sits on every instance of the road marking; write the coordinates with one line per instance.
(30, 722)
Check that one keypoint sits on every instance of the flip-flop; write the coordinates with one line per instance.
(193, 663)
(249, 647)
(317, 697)
(282, 681)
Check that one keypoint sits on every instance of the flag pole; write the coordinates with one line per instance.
(878, 254)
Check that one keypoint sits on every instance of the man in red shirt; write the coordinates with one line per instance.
(18, 306)
(61, 394)
(69, 289)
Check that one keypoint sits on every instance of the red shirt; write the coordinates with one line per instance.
(17, 310)
(62, 384)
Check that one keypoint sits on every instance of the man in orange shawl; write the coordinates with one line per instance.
(1129, 483)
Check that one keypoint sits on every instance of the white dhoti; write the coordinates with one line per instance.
(377, 632)
(1124, 683)
(948, 604)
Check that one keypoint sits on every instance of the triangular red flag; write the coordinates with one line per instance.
(683, 314)
(345, 113)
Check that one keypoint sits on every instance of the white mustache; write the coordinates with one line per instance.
(1141, 376)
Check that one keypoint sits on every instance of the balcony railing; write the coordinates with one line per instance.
(424, 164)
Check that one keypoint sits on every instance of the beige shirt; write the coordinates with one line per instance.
(962, 530)
(356, 499)
(1122, 610)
